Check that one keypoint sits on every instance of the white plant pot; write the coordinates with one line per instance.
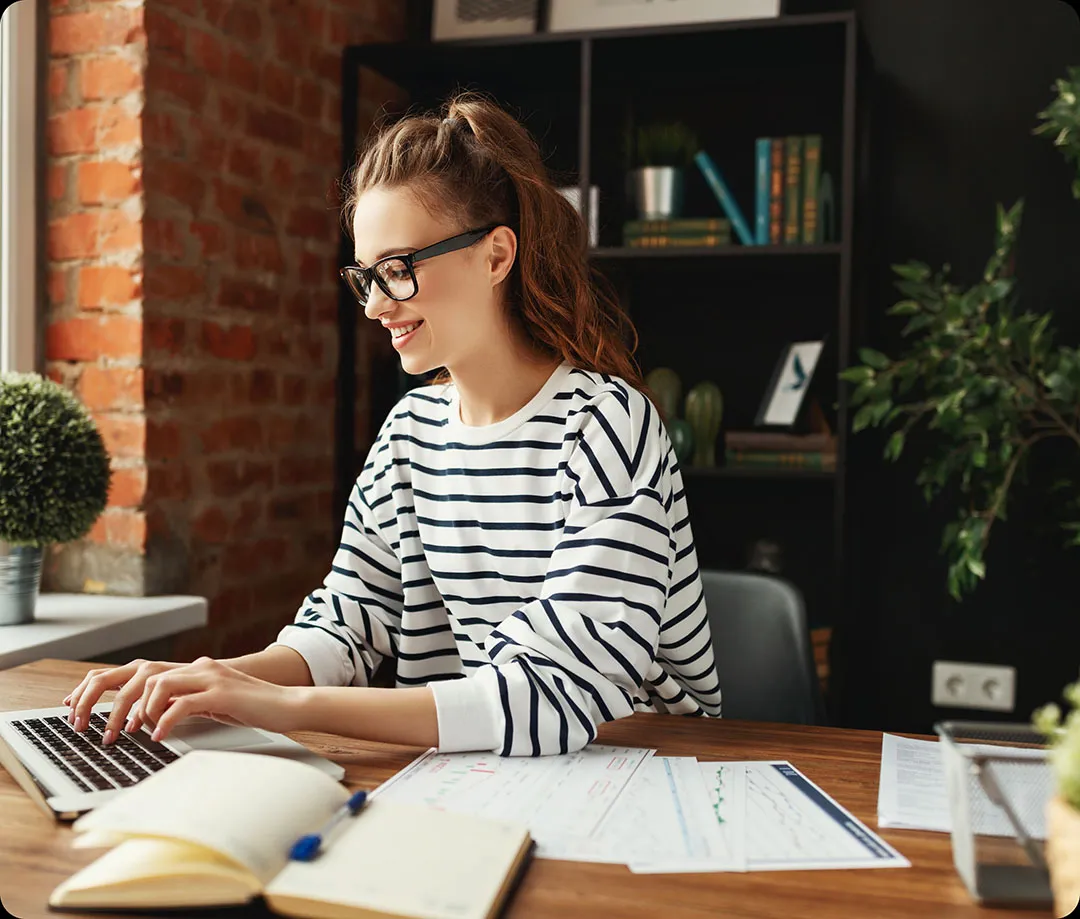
(1063, 854)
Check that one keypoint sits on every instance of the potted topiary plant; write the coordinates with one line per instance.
(661, 153)
(1063, 812)
(991, 384)
(54, 482)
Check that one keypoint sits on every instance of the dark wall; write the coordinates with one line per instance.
(958, 85)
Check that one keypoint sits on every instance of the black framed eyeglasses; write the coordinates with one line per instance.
(395, 274)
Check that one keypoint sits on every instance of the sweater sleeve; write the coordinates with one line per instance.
(346, 627)
(577, 655)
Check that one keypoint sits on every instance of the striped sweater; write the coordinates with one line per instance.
(538, 573)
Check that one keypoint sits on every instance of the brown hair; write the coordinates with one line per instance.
(476, 163)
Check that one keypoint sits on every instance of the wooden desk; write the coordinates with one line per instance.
(35, 853)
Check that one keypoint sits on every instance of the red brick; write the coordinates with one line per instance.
(299, 308)
(208, 147)
(241, 72)
(121, 529)
(169, 482)
(243, 23)
(104, 389)
(107, 285)
(263, 387)
(163, 440)
(164, 35)
(74, 236)
(59, 72)
(117, 128)
(211, 237)
(57, 285)
(240, 208)
(290, 45)
(165, 335)
(319, 146)
(258, 252)
(247, 295)
(91, 31)
(309, 222)
(163, 238)
(239, 433)
(230, 478)
(236, 343)
(281, 173)
(56, 181)
(332, 111)
(124, 435)
(109, 77)
(276, 127)
(119, 233)
(211, 526)
(214, 11)
(85, 339)
(228, 108)
(107, 181)
(314, 19)
(207, 52)
(181, 183)
(162, 131)
(312, 268)
(245, 160)
(174, 282)
(327, 64)
(278, 85)
(184, 85)
(73, 132)
(128, 487)
(304, 470)
(294, 389)
(251, 513)
(163, 387)
(311, 97)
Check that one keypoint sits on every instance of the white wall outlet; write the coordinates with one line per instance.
(984, 686)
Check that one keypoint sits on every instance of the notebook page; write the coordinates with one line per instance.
(407, 860)
(248, 807)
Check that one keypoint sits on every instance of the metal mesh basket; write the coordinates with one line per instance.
(999, 782)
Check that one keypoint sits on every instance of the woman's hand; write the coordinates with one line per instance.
(130, 679)
(211, 689)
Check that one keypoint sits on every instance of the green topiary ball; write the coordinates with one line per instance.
(54, 469)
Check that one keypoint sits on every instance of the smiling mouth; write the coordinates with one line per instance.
(404, 330)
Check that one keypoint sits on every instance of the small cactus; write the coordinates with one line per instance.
(704, 409)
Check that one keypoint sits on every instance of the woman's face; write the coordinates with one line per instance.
(456, 314)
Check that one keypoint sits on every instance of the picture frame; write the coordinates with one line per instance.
(451, 19)
(784, 404)
(583, 15)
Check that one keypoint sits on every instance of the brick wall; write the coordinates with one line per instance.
(194, 146)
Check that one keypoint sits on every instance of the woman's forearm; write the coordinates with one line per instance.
(402, 716)
(276, 664)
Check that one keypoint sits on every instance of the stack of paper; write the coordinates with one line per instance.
(653, 813)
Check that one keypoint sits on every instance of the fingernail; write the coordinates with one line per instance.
(109, 737)
(130, 726)
(79, 723)
(67, 699)
(156, 735)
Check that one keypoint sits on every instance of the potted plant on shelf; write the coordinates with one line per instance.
(991, 384)
(661, 153)
(54, 482)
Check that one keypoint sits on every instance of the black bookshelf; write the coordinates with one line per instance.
(724, 312)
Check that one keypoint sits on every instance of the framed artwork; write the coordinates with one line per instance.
(791, 380)
(482, 18)
(581, 15)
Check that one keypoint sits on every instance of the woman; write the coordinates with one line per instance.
(518, 539)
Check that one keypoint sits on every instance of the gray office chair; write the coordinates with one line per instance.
(762, 647)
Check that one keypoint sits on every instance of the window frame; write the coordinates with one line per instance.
(20, 136)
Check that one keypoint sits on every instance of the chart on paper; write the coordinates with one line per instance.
(555, 796)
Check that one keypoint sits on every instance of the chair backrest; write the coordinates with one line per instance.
(762, 646)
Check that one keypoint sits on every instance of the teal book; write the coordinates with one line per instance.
(724, 196)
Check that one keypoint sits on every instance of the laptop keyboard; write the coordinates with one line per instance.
(86, 761)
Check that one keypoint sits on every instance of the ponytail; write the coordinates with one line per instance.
(479, 165)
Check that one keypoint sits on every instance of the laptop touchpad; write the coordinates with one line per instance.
(207, 734)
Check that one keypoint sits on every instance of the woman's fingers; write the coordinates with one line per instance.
(130, 694)
(96, 682)
(162, 687)
(181, 707)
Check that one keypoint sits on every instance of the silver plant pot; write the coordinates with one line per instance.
(20, 581)
(658, 192)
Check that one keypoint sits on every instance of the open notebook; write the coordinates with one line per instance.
(215, 828)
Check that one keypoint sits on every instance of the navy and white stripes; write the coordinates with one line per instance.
(538, 573)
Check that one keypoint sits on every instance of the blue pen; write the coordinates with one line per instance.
(307, 847)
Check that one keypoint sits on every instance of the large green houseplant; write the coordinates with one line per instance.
(54, 482)
(989, 383)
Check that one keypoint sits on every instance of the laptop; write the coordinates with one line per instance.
(68, 773)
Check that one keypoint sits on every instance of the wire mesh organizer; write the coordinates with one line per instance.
(999, 783)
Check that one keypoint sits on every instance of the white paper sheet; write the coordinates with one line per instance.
(561, 799)
(792, 825)
(912, 790)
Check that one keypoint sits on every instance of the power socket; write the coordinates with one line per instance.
(983, 686)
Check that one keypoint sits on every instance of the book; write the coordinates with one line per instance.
(653, 242)
(215, 829)
(776, 192)
(792, 189)
(762, 163)
(811, 174)
(676, 226)
(808, 459)
(765, 441)
(723, 195)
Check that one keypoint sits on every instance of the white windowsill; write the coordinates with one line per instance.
(82, 626)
